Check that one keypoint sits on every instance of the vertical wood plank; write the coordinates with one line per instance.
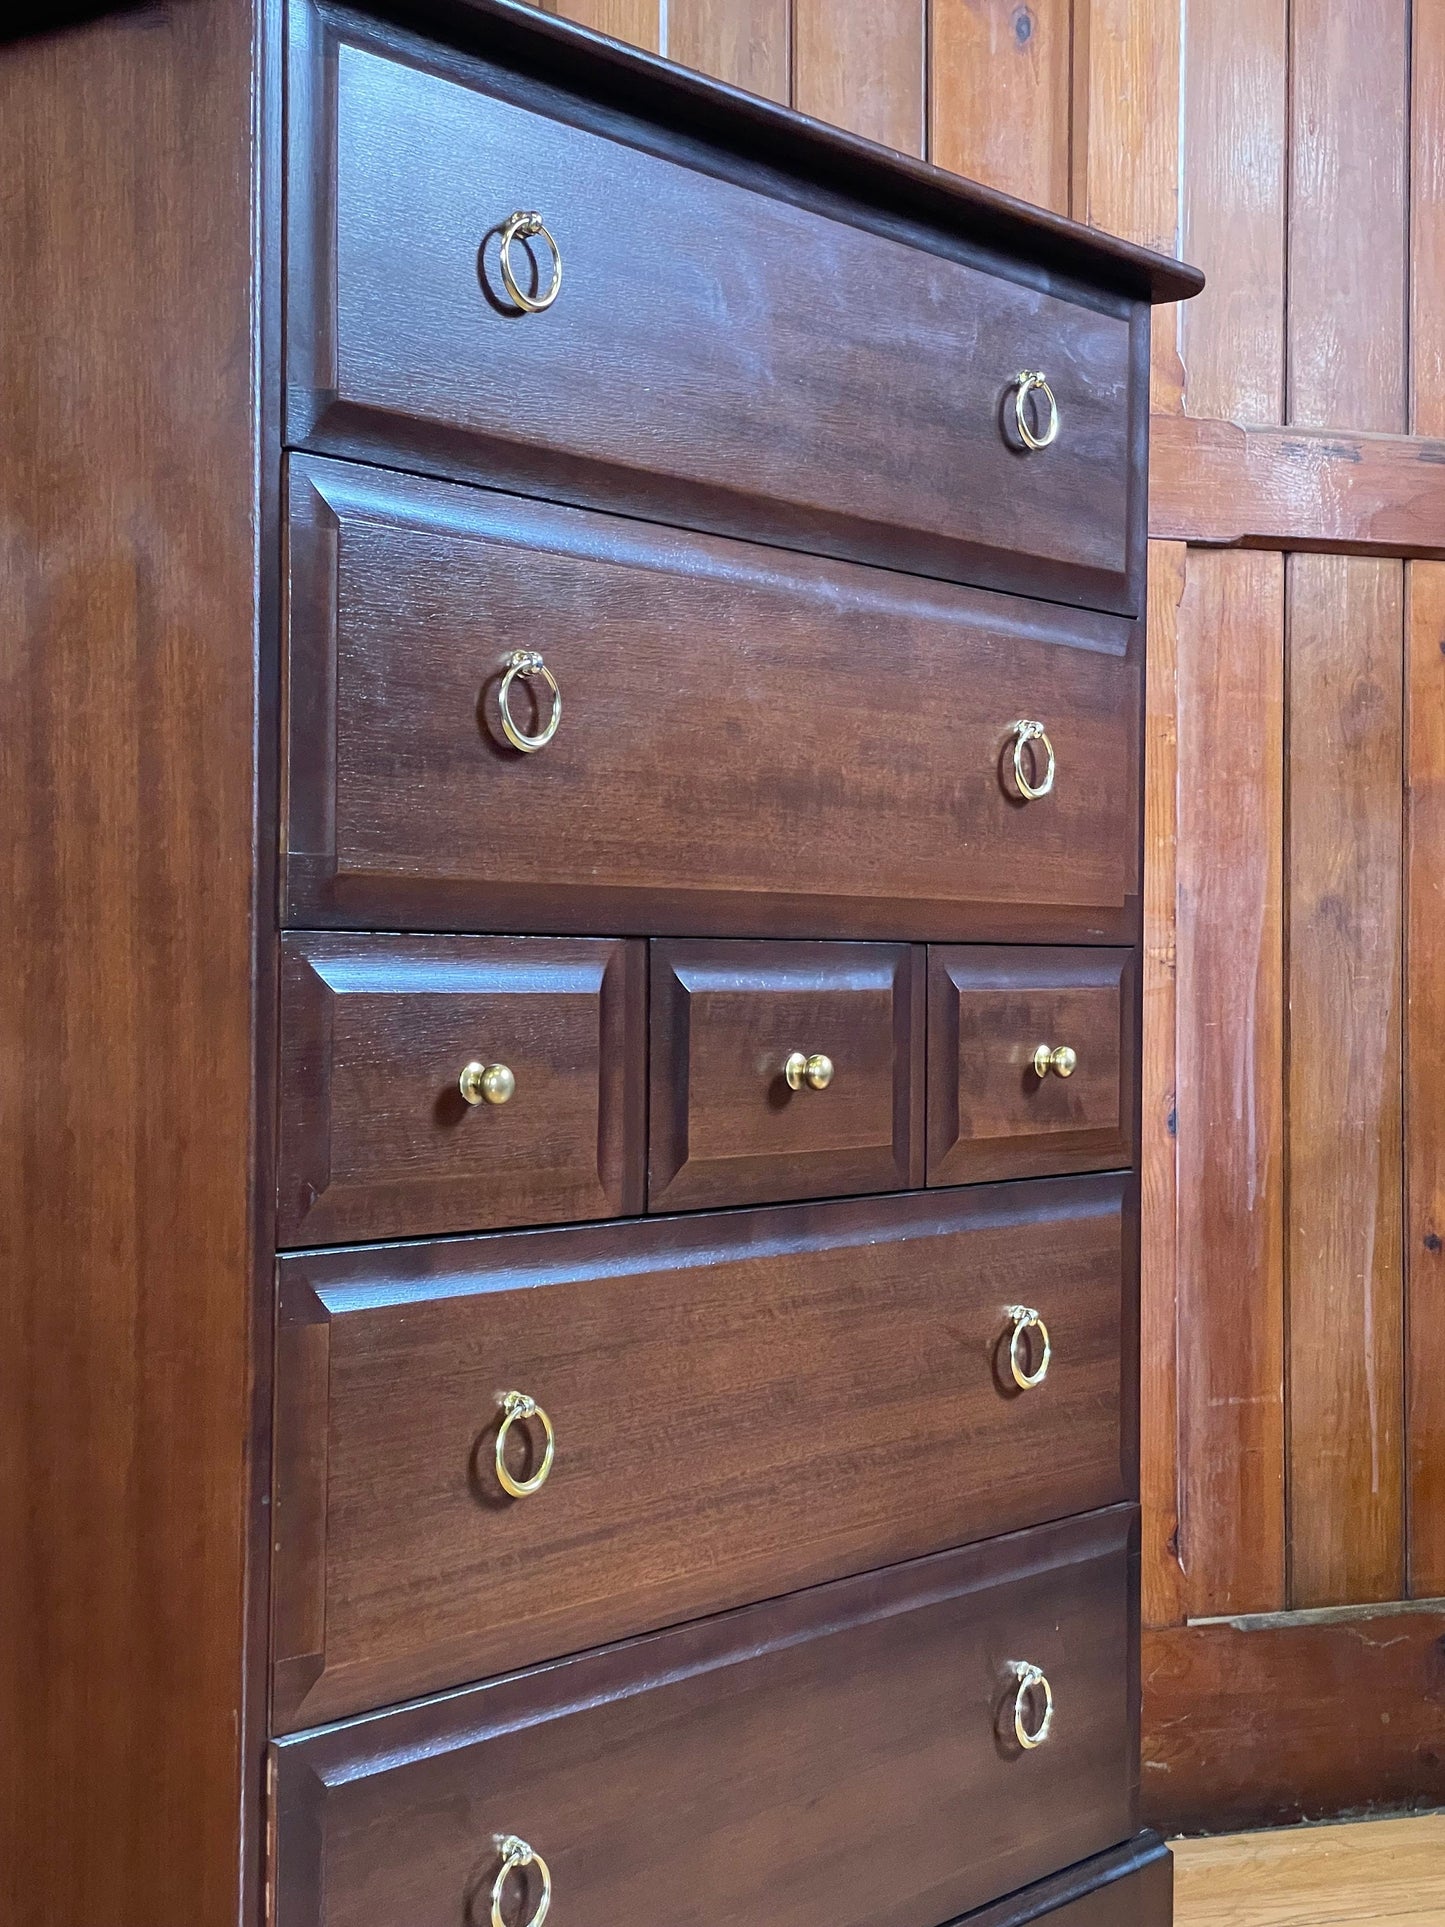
(859, 64)
(1125, 142)
(1161, 1573)
(1349, 65)
(1345, 1102)
(1427, 220)
(999, 94)
(1236, 148)
(1425, 1080)
(636, 21)
(1230, 1102)
(744, 42)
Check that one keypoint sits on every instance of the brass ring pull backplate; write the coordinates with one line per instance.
(517, 1409)
(527, 662)
(815, 1071)
(1030, 382)
(523, 226)
(1032, 1679)
(1024, 733)
(1027, 1320)
(516, 1855)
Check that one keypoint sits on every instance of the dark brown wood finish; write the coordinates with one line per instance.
(377, 1140)
(1131, 1887)
(745, 746)
(139, 647)
(840, 1757)
(727, 1128)
(990, 1113)
(743, 1404)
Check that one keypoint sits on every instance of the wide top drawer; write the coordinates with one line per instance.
(715, 354)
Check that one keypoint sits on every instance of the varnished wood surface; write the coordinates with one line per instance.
(726, 1127)
(376, 1138)
(1296, 488)
(693, 672)
(1270, 1720)
(899, 447)
(811, 1761)
(990, 1114)
(132, 1009)
(1000, 77)
(861, 64)
(1376, 1873)
(1132, 1886)
(743, 1404)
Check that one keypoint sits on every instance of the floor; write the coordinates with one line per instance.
(1374, 1874)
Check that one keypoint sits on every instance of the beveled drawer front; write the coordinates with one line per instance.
(784, 1070)
(750, 743)
(845, 1757)
(1131, 1886)
(1033, 1057)
(433, 1084)
(715, 355)
(741, 1404)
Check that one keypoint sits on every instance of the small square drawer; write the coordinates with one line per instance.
(784, 1070)
(1032, 1056)
(434, 1084)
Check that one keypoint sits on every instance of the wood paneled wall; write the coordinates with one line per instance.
(1294, 1316)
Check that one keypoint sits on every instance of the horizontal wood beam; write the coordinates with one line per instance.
(1222, 486)
(1283, 1717)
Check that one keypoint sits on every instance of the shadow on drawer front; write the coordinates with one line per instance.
(784, 1070)
(707, 1410)
(433, 1084)
(679, 371)
(749, 743)
(1033, 1060)
(843, 1757)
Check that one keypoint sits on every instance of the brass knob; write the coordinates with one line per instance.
(1026, 732)
(1031, 382)
(529, 227)
(1027, 1320)
(486, 1083)
(815, 1071)
(518, 1409)
(517, 1855)
(527, 662)
(1032, 1680)
(1060, 1060)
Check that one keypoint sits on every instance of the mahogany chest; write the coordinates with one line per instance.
(576, 938)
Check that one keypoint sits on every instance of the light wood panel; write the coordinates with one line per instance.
(1230, 1030)
(1344, 885)
(860, 65)
(1377, 1873)
(1000, 73)
(1425, 1079)
(744, 42)
(636, 21)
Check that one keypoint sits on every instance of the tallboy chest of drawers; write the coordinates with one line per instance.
(582, 678)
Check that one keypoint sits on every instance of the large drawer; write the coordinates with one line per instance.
(741, 1404)
(1130, 1886)
(716, 354)
(846, 1757)
(751, 743)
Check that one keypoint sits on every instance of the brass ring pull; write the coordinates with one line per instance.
(1031, 1680)
(1027, 1320)
(516, 1854)
(815, 1071)
(1060, 1060)
(1030, 382)
(517, 1409)
(527, 227)
(527, 662)
(486, 1083)
(1025, 733)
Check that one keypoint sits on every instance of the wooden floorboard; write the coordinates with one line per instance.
(1373, 1874)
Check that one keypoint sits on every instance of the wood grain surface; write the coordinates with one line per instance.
(1376, 1873)
(811, 1760)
